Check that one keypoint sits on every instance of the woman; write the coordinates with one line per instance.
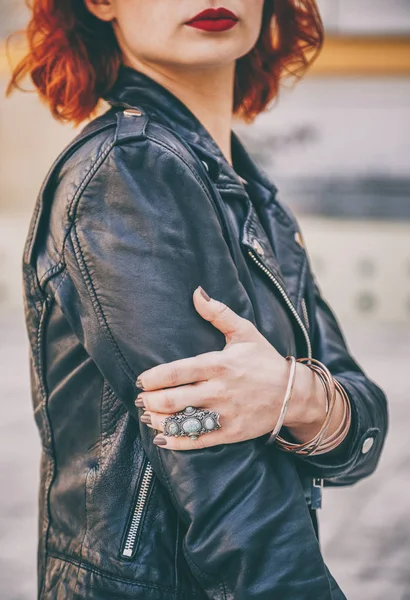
(153, 206)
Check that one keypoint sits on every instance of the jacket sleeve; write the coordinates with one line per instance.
(144, 236)
(358, 455)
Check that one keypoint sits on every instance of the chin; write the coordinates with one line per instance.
(212, 57)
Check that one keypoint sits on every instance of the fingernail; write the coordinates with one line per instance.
(139, 402)
(159, 441)
(139, 383)
(146, 418)
(204, 294)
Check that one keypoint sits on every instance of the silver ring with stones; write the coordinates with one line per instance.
(191, 422)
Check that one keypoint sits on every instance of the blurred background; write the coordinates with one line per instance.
(338, 148)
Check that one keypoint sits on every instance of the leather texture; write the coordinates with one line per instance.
(132, 216)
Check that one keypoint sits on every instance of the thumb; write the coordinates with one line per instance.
(233, 326)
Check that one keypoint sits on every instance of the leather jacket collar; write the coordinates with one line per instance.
(133, 88)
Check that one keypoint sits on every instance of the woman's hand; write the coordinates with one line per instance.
(245, 383)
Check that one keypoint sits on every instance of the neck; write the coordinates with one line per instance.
(208, 94)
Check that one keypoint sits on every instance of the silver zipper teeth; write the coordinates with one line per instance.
(138, 510)
(305, 313)
(287, 300)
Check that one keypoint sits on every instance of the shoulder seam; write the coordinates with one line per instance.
(70, 213)
(88, 176)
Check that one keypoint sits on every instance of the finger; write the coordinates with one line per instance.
(171, 400)
(179, 372)
(233, 326)
(205, 440)
(154, 420)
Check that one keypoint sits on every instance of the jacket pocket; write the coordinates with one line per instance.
(135, 520)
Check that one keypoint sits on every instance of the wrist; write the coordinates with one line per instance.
(308, 403)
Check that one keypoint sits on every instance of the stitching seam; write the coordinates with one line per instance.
(33, 226)
(87, 567)
(50, 454)
(87, 177)
(93, 168)
(96, 303)
(51, 271)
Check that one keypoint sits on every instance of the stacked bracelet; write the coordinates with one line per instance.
(286, 400)
(339, 435)
(320, 443)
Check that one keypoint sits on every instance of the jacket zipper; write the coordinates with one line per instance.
(287, 300)
(305, 313)
(134, 526)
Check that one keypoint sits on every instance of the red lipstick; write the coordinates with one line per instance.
(214, 19)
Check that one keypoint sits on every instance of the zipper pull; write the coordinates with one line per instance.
(316, 493)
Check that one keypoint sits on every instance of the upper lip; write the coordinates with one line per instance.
(214, 13)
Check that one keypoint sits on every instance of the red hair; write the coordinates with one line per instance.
(73, 56)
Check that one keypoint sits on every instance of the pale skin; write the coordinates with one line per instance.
(246, 381)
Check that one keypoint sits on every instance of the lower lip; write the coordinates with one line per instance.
(213, 24)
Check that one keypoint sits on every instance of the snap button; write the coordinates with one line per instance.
(367, 444)
(134, 112)
(205, 165)
(257, 247)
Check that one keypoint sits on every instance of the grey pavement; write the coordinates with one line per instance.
(365, 528)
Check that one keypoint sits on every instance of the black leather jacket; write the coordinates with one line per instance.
(131, 218)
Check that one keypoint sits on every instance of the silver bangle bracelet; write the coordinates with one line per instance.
(286, 400)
